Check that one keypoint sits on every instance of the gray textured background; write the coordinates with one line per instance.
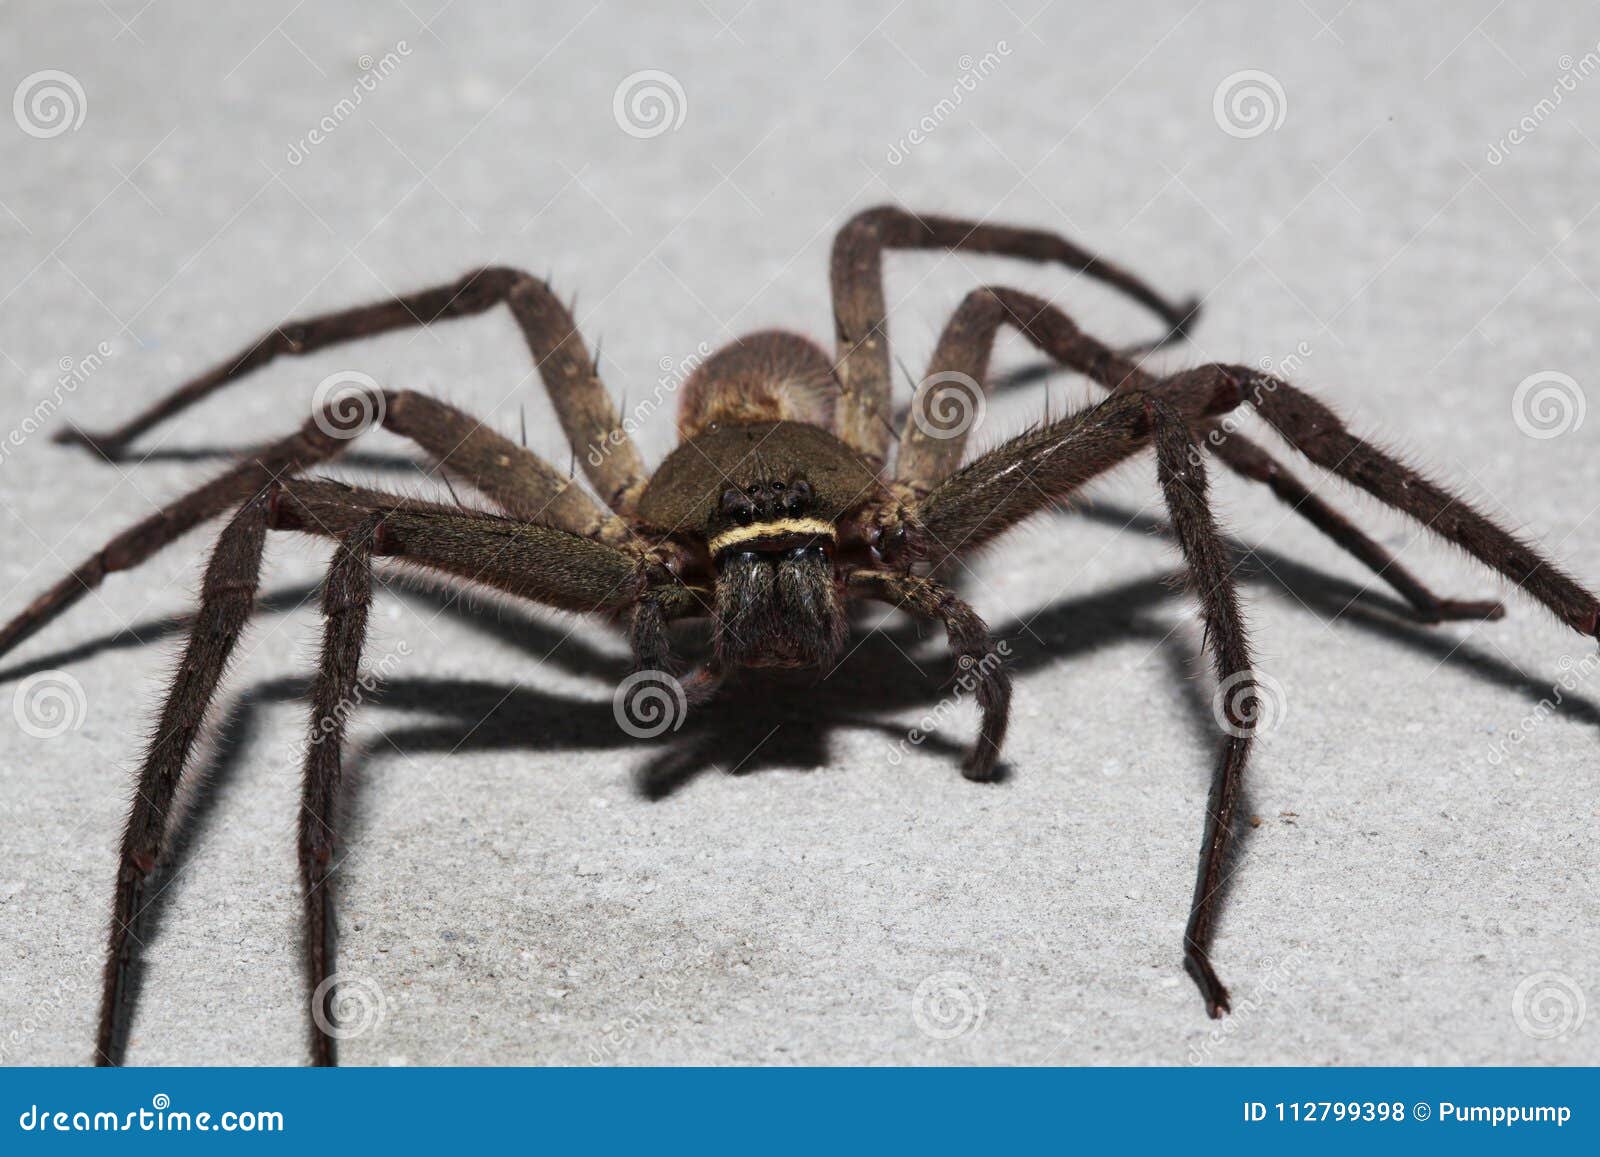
(511, 894)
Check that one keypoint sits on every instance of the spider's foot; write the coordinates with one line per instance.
(1212, 990)
(983, 764)
(110, 449)
(1459, 610)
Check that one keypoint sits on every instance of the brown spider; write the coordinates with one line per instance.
(776, 511)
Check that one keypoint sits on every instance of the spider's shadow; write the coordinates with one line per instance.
(750, 728)
(890, 669)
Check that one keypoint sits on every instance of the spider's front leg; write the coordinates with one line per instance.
(546, 565)
(346, 600)
(543, 564)
(1035, 471)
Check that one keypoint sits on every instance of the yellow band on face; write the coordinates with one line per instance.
(771, 530)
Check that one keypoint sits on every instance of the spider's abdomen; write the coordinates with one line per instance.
(685, 493)
(770, 376)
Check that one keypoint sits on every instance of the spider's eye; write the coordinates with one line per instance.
(734, 503)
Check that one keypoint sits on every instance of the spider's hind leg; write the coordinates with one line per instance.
(1248, 460)
(571, 376)
(861, 313)
(1318, 433)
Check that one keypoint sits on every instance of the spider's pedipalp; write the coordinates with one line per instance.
(980, 668)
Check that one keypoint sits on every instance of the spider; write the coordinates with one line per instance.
(778, 510)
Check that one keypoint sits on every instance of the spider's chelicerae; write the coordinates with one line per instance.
(778, 510)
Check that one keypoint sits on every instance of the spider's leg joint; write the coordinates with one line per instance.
(385, 543)
(1229, 393)
(281, 514)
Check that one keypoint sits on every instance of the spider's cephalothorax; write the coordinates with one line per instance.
(766, 498)
(779, 508)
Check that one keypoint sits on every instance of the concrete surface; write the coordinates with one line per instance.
(1424, 884)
